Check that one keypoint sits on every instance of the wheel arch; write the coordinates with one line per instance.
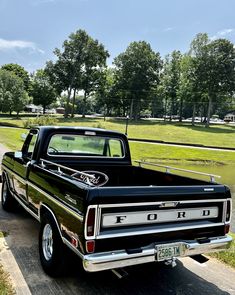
(46, 209)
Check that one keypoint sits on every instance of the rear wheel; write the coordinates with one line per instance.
(9, 203)
(51, 248)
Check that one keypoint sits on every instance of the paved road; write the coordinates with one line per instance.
(188, 277)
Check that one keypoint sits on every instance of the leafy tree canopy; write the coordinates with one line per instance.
(42, 91)
(20, 72)
(13, 96)
(78, 65)
(137, 71)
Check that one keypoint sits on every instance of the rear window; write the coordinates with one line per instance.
(87, 146)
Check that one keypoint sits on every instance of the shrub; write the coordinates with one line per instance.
(40, 121)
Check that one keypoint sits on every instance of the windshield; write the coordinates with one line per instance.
(82, 145)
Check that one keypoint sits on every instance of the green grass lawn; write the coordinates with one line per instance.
(227, 256)
(12, 139)
(150, 152)
(163, 153)
(5, 285)
(216, 135)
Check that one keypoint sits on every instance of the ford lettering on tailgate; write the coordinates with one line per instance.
(158, 216)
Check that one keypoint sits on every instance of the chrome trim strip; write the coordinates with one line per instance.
(19, 178)
(212, 176)
(19, 200)
(83, 185)
(65, 241)
(120, 258)
(134, 218)
(152, 231)
(76, 214)
(158, 203)
(95, 225)
(26, 207)
(65, 168)
(224, 211)
(15, 174)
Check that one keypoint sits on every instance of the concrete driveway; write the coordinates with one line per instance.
(19, 255)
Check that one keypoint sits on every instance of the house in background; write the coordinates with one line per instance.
(31, 108)
(60, 110)
(230, 117)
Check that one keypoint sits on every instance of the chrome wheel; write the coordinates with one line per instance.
(4, 192)
(47, 242)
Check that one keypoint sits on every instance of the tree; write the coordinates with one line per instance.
(104, 93)
(42, 91)
(170, 82)
(13, 96)
(214, 64)
(136, 74)
(78, 66)
(220, 74)
(20, 72)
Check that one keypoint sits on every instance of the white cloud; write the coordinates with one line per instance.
(19, 44)
(225, 32)
(168, 29)
(222, 33)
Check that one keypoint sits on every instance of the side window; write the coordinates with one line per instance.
(29, 146)
(115, 148)
(32, 144)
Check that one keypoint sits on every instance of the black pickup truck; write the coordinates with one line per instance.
(80, 184)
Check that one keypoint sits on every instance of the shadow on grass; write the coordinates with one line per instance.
(211, 129)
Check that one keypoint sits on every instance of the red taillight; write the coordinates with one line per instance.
(90, 246)
(226, 228)
(90, 225)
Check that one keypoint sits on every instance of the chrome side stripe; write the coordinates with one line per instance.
(53, 199)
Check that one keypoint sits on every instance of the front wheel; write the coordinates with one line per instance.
(51, 248)
(9, 203)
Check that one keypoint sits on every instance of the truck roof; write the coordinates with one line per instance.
(45, 133)
(48, 129)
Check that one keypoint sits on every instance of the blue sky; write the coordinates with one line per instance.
(31, 29)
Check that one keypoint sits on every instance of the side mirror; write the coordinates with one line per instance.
(18, 155)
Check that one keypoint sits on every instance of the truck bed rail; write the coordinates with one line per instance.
(168, 168)
(59, 167)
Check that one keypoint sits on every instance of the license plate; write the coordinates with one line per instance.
(165, 252)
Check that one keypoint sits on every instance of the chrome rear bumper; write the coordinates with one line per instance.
(120, 258)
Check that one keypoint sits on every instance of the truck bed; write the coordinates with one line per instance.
(130, 175)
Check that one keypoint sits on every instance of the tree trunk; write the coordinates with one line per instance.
(131, 109)
(67, 103)
(84, 105)
(74, 96)
(165, 109)
(209, 111)
(193, 117)
(181, 109)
